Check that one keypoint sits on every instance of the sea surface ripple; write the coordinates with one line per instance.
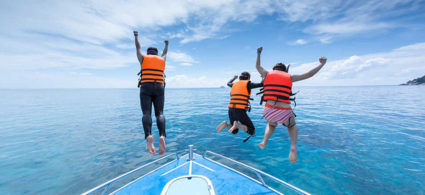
(352, 140)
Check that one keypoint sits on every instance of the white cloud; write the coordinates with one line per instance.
(62, 60)
(170, 67)
(325, 39)
(103, 21)
(185, 81)
(345, 28)
(210, 20)
(88, 34)
(331, 19)
(181, 58)
(99, 21)
(304, 10)
(61, 79)
(97, 34)
(299, 42)
(393, 67)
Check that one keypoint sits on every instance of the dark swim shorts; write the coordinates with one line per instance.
(243, 118)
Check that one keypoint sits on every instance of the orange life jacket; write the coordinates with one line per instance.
(153, 68)
(277, 86)
(239, 95)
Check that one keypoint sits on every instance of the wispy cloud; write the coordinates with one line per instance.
(331, 19)
(83, 34)
(98, 22)
(181, 58)
(95, 35)
(393, 67)
(62, 79)
(299, 42)
(72, 57)
(345, 28)
(185, 81)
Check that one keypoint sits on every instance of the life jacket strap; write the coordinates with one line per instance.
(261, 91)
(277, 96)
(238, 99)
(275, 85)
(234, 104)
(247, 96)
(246, 139)
(150, 74)
(153, 70)
(292, 94)
(150, 79)
(277, 90)
(262, 99)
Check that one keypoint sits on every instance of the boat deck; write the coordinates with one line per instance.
(224, 179)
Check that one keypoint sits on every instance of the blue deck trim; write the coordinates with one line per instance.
(259, 173)
(223, 179)
(103, 188)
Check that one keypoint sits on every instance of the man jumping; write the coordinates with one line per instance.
(152, 92)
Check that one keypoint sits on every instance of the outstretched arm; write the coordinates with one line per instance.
(164, 52)
(260, 69)
(230, 83)
(138, 48)
(310, 73)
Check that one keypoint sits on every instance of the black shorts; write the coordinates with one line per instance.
(241, 116)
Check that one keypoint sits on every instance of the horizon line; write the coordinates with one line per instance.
(204, 87)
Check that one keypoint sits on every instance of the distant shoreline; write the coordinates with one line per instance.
(417, 81)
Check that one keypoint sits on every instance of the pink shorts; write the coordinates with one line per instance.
(276, 114)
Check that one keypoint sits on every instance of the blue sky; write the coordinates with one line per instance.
(89, 44)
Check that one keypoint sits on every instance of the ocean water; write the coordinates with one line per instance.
(352, 140)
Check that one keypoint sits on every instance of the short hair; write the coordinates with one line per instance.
(280, 66)
(244, 76)
(150, 49)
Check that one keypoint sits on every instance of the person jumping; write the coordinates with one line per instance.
(277, 91)
(152, 86)
(239, 104)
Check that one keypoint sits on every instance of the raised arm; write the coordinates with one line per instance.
(310, 73)
(164, 52)
(230, 83)
(255, 85)
(260, 69)
(138, 48)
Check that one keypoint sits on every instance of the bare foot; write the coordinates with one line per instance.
(293, 155)
(151, 148)
(221, 126)
(235, 126)
(161, 145)
(262, 145)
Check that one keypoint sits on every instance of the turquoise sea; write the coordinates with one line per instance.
(352, 140)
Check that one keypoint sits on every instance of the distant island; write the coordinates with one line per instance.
(418, 81)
